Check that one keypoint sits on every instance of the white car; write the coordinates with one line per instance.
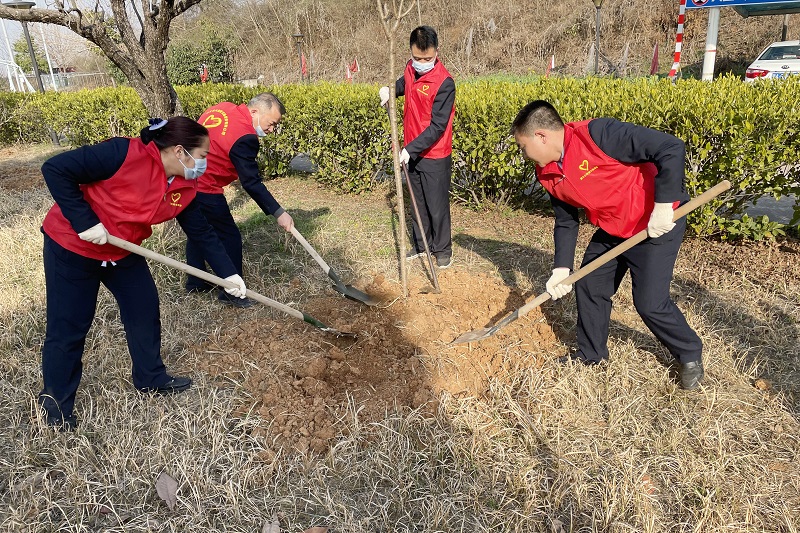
(779, 60)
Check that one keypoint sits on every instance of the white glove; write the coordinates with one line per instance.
(238, 292)
(383, 92)
(286, 221)
(404, 157)
(660, 220)
(97, 234)
(555, 288)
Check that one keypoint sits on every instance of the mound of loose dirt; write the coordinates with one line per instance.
(303, 380)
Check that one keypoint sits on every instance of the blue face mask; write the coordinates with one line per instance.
(198, 170)
(421, 67)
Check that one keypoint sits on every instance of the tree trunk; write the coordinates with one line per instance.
(391, 21)
(157, 94)
(398, 180)
(138, 49)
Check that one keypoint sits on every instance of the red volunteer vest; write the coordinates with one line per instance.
(419, 95)
(617, 197)
(136, 197)
(226, 124)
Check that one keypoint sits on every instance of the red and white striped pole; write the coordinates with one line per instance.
(676, 62)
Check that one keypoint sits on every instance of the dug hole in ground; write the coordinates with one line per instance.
(493, 434)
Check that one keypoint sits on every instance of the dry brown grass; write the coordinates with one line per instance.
(614, 449)
(479, 37)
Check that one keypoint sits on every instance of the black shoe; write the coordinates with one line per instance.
(444, 261)
(174, 385)
(413, 254)
(68, 423)
(691, 374)
(233, 301)
(577, 359)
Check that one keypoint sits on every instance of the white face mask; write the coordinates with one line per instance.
(421, 67)
(198, 169)
(275, 127)
(259, 130)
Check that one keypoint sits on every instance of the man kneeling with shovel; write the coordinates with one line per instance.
(626, 178)
(234, 131)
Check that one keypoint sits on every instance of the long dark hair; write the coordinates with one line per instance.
(177, 130)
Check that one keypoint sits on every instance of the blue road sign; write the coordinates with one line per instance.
(694, 4)
(749, 8)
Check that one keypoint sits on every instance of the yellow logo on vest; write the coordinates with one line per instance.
(175, 197)
(214, 120)
(585, 167)
(424, 89)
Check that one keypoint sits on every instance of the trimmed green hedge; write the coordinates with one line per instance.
(746, 133)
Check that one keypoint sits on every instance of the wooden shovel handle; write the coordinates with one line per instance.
(310, 250)
(626, 245)
(202, 274)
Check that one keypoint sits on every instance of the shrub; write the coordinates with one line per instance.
(746, 133)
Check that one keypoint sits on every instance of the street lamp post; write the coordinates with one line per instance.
(26, 4)
(597, 4)
(23, 4)
(298, 40)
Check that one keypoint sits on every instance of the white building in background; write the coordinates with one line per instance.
(58, 77)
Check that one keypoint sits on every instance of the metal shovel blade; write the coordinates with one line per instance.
(485, 333)
(430, 290)
(474, 335)
(327, 329)
(350, 292)
(347, 290)
(338, 333)
(202, 274)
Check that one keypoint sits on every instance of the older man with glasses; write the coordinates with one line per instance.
(234, 131)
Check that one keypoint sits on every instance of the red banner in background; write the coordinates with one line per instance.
(654, 62)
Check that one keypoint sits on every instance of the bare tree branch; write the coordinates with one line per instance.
(124, 27)
(182, 6)
(140, 56)
(390, 20)
(141, 22)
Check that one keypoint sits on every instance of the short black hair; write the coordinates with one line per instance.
(538, 114)
(424, 37)
(175, 131)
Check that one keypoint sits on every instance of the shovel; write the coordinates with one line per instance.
(435, 289)
(144, 252)
(347, 290)
(484, 333)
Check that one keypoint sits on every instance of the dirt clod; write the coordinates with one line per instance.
(306, 382)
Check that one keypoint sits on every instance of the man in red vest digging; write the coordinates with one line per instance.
(626, 178)
(428, 137)
(234, 131)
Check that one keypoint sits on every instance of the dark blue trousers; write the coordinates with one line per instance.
(651, 264)
(216, 210)
(430, 181)
(72, 283)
